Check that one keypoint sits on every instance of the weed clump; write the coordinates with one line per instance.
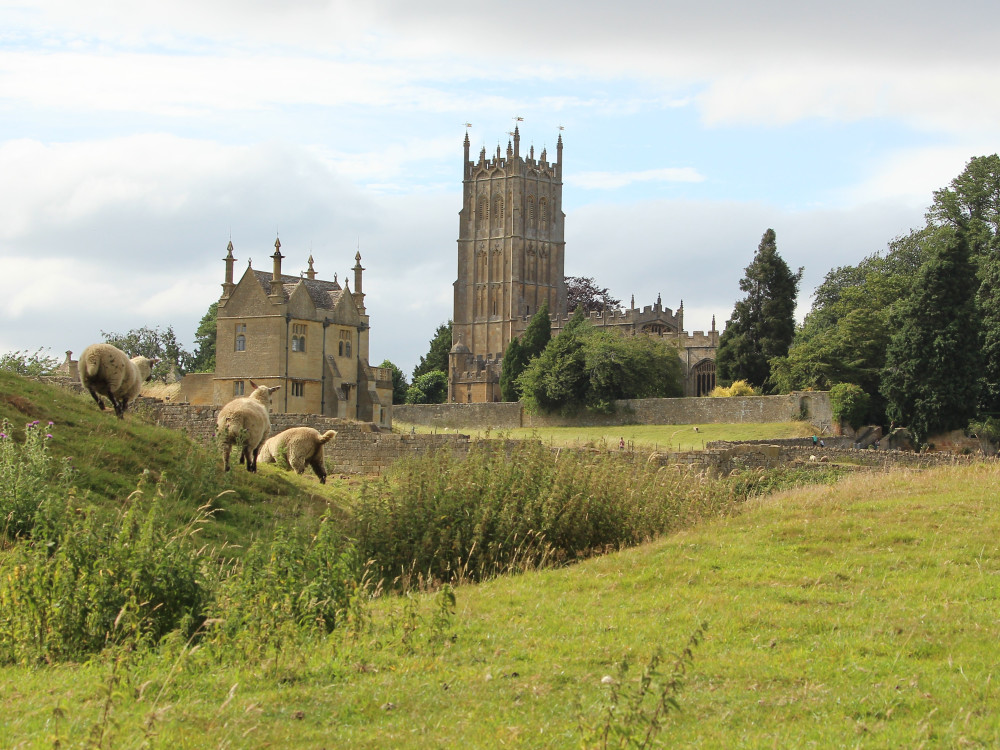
(516, 506)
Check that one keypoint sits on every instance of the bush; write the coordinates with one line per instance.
(429, 388)
(27, 363)
(738, 388)
(84, 581)
(508, 507)
(850, 404)
(284, 586)
(28, 476)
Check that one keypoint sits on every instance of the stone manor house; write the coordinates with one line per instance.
(307, 335)
(511, 256)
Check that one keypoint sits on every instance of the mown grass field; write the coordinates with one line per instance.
(639, 437)
(863, 614)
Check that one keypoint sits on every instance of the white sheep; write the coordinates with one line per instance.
(107, 370)
(246, 420)
(300, 446)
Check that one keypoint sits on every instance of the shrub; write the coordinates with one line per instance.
(738, 388)
(284, 584)
(507, 507)
(84, 581)
(850, 404)
(28, 363)
(28, 475)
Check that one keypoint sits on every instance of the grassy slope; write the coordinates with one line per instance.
(858, 615)
(646, 437)
(110, 456)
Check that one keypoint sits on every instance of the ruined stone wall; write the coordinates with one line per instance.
(814, 404)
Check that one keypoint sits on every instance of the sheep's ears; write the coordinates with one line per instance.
(274, 388)
(253, 385)
(154, 361)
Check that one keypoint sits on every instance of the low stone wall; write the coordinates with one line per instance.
(497, 416)
(359, 448)
(814, 405)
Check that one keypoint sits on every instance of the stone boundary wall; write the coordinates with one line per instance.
(497, 416)
(815, 404)
(359, 448)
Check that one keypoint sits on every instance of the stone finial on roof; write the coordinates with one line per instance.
(276, 273)
(311, 272)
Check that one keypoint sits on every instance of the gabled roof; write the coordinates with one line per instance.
(324, 294)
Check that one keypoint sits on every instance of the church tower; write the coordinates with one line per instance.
(510, 261)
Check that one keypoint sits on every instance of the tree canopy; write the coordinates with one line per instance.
(931, 378)
(437, 354)
(583, 291)
(589, 368)
(399, 384)
(844, 337)
(762, 324)
(152, 342)
(203, 359)
(521, 351)
(429, 388)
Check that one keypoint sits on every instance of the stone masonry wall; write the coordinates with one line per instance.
(814, 404)
(358, 448)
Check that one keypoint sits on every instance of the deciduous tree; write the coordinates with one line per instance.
(204, 341)
(429, 388)
(931, 379)
(399, 384)
(152, 342)
(583, 291)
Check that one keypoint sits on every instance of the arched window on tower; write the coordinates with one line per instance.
(531, 210)
(498, 212)
(484, 210)
(543, 209)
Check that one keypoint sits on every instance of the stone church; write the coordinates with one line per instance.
(307, 335)
(511, 254)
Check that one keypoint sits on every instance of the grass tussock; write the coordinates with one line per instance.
(517, 506)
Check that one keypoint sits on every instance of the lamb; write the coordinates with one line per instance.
(107, 370)
(246, 420)
(300, 446)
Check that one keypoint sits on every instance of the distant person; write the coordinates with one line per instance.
(621, 444)
(815, 441)
(822, 444)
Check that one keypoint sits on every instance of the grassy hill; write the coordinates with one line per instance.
(859, 614)
(110, 456)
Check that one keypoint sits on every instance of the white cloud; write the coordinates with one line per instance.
(613, 180)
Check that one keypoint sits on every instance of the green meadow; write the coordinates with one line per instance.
(674, 437)
(852, 610)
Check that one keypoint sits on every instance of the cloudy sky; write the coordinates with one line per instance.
(137, 137)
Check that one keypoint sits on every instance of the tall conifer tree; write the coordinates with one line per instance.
(762, 324)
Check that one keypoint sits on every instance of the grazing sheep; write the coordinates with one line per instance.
(246, 420)
(300, 446)
(107, 370)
